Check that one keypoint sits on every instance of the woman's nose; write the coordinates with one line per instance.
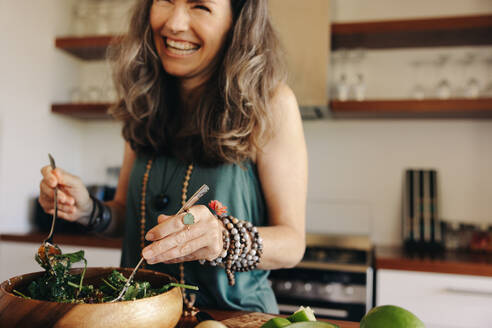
(178, 20)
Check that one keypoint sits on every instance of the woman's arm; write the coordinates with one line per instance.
(282, 168)
(118, 204)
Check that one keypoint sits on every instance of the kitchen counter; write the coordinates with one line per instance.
(454, 262)
(87, 240)
(386, 257)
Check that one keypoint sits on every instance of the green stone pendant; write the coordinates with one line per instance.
(188, 219)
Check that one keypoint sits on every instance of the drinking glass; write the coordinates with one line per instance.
(93, 94)
(443, 86)
(470, 84)
(339, 61)
(103, 14)
(357, 89)
(487, 89)
(418, 89)
(76, 95)
(80, 16)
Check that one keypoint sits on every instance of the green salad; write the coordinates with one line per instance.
(58, 284)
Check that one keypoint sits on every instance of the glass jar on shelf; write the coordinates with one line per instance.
(480, 239)
(452, 235)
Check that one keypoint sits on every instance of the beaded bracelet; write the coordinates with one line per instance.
(249, 259)
(236, 257)
(100, 216)
(225, 246)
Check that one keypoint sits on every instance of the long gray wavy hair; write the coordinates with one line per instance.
(230, 119)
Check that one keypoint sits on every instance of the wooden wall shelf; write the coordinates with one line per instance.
(411, 33)
(83, 110)
(403, 108)
(87, 47)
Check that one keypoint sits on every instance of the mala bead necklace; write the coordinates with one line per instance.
(142, 205)
(188, 302)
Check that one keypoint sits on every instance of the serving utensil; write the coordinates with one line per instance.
(193, 199)
(48, 242)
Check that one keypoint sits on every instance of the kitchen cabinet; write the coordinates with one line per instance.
(304, 31)
(413, 33)
(438, 299)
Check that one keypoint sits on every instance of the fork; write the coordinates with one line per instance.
(193, 199)
(48, 242)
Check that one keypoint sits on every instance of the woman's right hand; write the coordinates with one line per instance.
(74, 202)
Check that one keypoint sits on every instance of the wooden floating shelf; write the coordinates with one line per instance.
(86, 47)
(406, 108)
(412, 33)
(83, 110)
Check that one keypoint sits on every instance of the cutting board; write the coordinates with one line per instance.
(248, 320)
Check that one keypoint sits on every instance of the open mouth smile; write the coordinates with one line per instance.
(180, 47)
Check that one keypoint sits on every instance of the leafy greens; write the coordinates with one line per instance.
(58, 284)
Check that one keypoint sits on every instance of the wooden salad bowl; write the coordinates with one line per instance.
(162, 310)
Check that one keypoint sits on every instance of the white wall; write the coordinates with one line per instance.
(356, 166)
(33, 74)
(359, 165)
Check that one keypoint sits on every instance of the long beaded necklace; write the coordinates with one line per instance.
(187, 301)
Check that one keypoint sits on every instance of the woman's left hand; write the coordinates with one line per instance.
(174, 241)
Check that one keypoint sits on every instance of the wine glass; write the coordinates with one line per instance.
(471, 86)
(487, 89)
(339, 60)
(443, 86)
(418, 89)
(357, 85)
(80, 16)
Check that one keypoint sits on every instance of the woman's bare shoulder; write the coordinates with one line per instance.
(284, 107)
(283, 98)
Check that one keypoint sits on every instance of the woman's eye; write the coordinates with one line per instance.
(202, 8)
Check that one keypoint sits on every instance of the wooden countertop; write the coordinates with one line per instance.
(87, 240)
(455, 262)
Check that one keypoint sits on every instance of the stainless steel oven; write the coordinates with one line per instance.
(335, 278)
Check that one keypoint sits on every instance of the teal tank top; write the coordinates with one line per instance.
(238, 188)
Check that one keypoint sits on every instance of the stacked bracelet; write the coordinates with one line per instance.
(100, 216)
(236, 255)
(225, 246)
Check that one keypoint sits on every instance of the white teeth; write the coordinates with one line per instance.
(180, 45)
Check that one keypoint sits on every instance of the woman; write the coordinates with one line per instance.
(202, 101)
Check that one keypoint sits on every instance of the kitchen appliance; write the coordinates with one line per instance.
(421, 227)
(334, 278)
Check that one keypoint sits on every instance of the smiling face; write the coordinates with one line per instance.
(189, 35)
